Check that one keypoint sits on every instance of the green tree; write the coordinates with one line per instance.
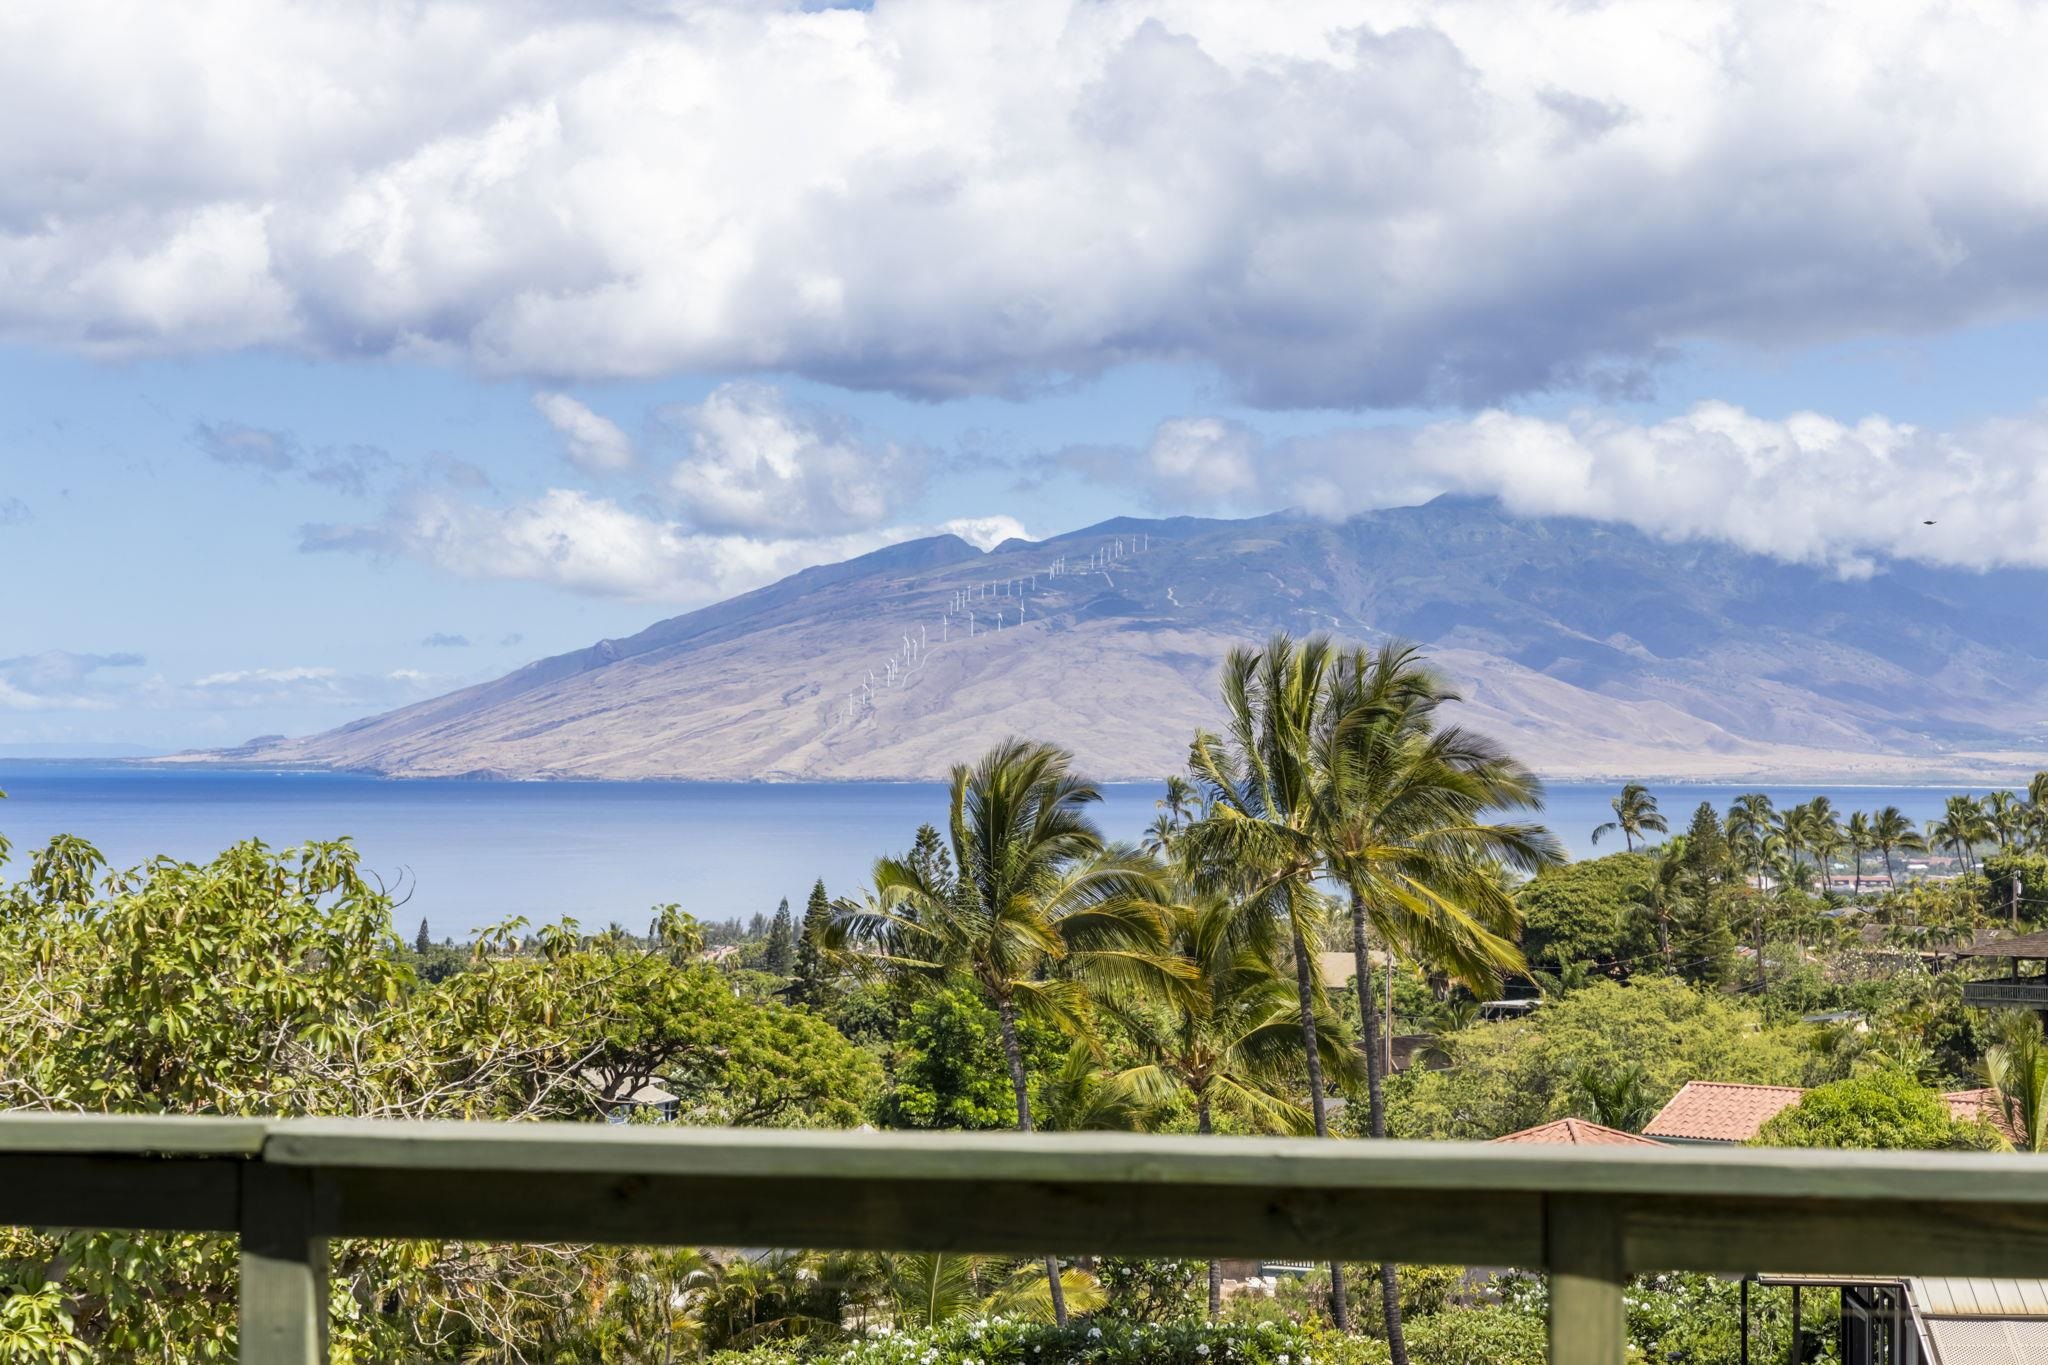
(811, 985)
(2017, 1068)
(779, 957)
(948, 1067)
(1039, 915)
(1620, 1099)
(1402, 819)
(1229, 1044)
(1880, 1109)
(422, 942)
(1960, 829)
(1635, 814)
(1891, 831)
(1519, 1073)
(1596, 910)
(1257, 842)
(1749, 829)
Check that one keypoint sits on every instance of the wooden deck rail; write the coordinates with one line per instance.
(1590, 1216)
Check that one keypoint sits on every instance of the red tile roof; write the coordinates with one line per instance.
(1579, 1133)
(1967, 1106)
(1718, 1111)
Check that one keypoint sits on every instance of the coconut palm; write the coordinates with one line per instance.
(1635, 813)
(1891, 830)
(1858, 838)
(2036, 812)
(1230, 1044)
(1749, 827)
(1257, 841)
(1619, 1099)
(1822, 833)
(1039, 917)
(1960, 829)
(2004, 817)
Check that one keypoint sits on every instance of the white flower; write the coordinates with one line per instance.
(1095, 1332)
(1283, 1358)
(1202, 1349)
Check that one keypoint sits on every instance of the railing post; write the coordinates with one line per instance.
(1582, 1247)
(284, 1269)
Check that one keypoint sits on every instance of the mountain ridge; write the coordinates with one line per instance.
(1590, 648)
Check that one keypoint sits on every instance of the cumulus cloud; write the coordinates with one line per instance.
(757, 464)
(593, 442)
(573, 539)
(1429, 200)
(1805, 488)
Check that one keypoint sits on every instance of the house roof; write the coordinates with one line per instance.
(1337, 969)
(1579, 1133)
(1967, 1106)
(1718, 1111)
(2033, 947)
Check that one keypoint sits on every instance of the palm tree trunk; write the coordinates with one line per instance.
(1204, 1127)
(1014, 1055)
(1376, 1099)
(1304, 989)
(1891, 880)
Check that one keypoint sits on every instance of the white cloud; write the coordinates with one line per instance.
(755, 464)
(593, 442)
(1806, 488)
(573, 539)
(1449, 200)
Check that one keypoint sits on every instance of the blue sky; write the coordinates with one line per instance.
(330, 379)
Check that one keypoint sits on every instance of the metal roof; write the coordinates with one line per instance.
(1950, 1297)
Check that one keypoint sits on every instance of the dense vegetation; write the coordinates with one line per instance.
(1011, 968)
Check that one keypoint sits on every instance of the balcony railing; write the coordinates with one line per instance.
(1590, 1217)
(2029, 992)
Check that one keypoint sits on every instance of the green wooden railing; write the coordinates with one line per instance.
(1589, 1216)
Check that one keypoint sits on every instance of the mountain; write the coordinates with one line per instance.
(1592, 649)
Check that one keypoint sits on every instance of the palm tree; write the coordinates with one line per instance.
(1179, 799)
(2004, 817)
(1960, 829)
(1891, 829)
(2036, 813)
(1619, 1099)
(1230, 1044)
(2017, 1067)
(1039, 917)
(924, 1289)
(1823, 835)
(1635, 812)
(1858, 838)
(1256, 841)
(1749, 827)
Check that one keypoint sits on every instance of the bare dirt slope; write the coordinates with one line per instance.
(1593, 650)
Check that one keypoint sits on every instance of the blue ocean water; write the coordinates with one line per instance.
(468, 854)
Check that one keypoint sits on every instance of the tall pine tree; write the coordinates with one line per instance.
(779, 958)
(810, 985)
(421, 942)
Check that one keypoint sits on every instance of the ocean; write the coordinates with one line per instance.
(467, 854)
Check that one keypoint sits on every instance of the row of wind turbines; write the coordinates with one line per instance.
(982, 607)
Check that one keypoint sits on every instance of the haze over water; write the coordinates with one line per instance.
(472, 853)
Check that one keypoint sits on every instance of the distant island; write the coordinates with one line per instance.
(1595, 650)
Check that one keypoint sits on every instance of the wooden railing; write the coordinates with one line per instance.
(2028, 992)
(1589, 1216)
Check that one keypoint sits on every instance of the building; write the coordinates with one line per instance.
(1721, 1111)
(2012, 991)
(1579, 1133)
(1924, 1320)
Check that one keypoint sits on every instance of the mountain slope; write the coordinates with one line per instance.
(1592, 649)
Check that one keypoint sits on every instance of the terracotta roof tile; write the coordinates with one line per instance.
(1579, 1133)
(1967, 1106)
(1718, 1111)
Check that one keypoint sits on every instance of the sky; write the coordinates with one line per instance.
(354, 352)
